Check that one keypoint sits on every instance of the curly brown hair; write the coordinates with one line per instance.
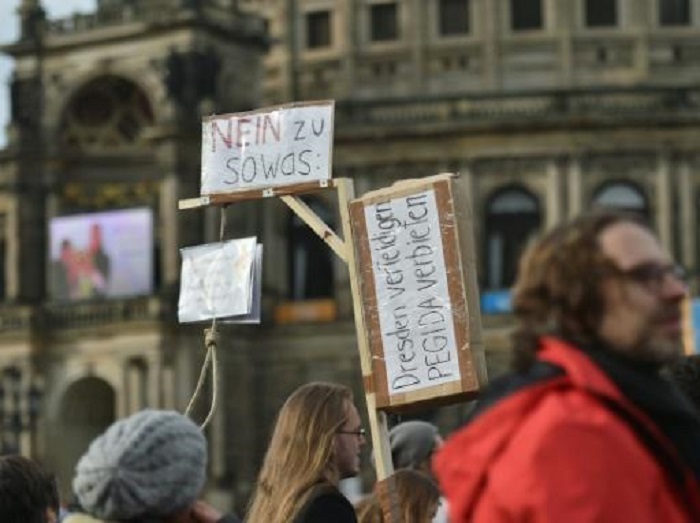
(558, 285)
(410, 495)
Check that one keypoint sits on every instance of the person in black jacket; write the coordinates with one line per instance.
(316, 442)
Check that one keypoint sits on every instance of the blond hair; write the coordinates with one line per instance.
(300, 454)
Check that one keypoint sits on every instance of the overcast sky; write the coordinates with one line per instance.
(9, 27)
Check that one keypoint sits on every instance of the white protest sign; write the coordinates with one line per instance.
(216, 280)
(285, 145)
(410, 278)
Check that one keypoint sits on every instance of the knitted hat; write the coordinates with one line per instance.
(411, 443)
(151, 464)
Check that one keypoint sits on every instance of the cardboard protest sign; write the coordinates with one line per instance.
(285, 145)
(420, 300)
(216, 280)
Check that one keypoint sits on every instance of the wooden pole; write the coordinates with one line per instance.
(377, 419)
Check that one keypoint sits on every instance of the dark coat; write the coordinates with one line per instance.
(326, 505)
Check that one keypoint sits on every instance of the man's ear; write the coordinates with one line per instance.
(51, 516)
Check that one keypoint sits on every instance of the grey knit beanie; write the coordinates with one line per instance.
(149, 465)
(411, 443)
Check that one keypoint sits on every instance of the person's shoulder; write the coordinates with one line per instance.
(329, 505)
(571, 423)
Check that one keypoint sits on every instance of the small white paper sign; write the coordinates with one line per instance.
(413, 301)
(254, 315)
(216, 280)
(280, 146)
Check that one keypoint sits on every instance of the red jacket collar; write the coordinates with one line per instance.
(580, 369)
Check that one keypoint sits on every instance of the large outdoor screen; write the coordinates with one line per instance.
(101, 255)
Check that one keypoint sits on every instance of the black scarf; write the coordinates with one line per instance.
(659, 399)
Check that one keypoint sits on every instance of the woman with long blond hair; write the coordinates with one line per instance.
(410, 495)
(315, 443)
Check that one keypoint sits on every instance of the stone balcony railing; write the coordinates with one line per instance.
(100, 313)
(522, 107)
(78, 23)
(23, 320)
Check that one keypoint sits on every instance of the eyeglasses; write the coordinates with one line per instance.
(652, 275)
(360, 433)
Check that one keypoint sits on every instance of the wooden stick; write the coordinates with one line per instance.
(316, 224)
(377, 419)
(254, 194)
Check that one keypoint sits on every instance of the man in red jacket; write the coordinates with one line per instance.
(585, 429)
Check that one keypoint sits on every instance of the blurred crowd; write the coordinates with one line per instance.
(598, 420)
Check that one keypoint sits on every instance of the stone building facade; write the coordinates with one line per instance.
(548, 107)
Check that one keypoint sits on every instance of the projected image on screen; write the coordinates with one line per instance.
(101, 255)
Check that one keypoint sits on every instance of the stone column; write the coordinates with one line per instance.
(217, 437)
(575, 187)
(347, 46)
(465, 171)
(565, 22)
(26, 445)
(688, 232)
(415, 21)
(636, 18)
(154, 373)
(554, 194)
(168, 377)
(169, 238)
(134, 385)
(12, 253)
(664, 201)
(491, 19)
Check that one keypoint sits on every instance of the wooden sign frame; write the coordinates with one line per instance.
(269, 148)
(455, 231)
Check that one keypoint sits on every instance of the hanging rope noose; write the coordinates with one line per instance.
(211, 340)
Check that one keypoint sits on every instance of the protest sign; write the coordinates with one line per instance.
(253, 316)
(216, 280)
(285, 145)
(420, 300)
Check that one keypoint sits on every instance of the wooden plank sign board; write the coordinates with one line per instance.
(415, 252)
(276, 146)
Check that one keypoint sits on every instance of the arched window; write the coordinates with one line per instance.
(105, 113)
(621, 195)
(87, 408)
(310, 259)
(513, 216)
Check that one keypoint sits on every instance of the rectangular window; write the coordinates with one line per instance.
(454, 17)
(384, 22)
(318, 29)
(525, 15)
(674, 12)
(601, 13)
